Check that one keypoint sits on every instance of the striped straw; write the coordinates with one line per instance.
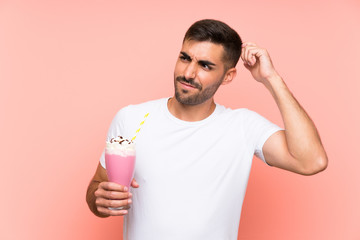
(138, 130)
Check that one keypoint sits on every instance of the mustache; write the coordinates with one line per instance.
(189, 81)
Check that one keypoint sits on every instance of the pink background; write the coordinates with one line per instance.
(66, 67)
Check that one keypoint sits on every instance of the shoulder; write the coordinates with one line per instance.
(248, 119)
(141, 109)
(243, 113)
(127, 119)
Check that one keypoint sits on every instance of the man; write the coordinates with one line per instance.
(194, 156)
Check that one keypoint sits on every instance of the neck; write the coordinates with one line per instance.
(191, 113)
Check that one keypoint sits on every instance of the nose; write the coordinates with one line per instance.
(190, 70)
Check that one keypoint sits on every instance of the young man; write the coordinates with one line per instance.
(194, 156)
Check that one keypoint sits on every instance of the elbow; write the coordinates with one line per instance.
(319, 164)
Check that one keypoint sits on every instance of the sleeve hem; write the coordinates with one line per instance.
(102, 159)
(265, 137)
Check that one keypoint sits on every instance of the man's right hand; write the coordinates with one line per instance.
(110, 196)
(102, 195)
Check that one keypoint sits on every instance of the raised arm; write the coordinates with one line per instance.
(298, 148)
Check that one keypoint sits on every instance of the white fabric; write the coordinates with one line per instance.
(192, 175)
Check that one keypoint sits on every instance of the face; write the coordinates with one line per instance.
(199, 71)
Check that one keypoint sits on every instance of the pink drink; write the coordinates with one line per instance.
(120, 168)
(120, 161)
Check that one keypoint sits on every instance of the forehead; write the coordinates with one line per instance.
(203, 50)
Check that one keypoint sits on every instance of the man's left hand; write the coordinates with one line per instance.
(258, 62)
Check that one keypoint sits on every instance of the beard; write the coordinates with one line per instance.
(185, 97)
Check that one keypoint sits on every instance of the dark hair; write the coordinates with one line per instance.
(219, 33)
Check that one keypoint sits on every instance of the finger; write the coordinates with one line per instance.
(246, 47)
(253, 53)
(242, 53)
(247, 44)
(102, 193)
(102, 202)
(251, 57)
(134, 184)
(111, 186)
(112, 212)
(247, 66)
(125, 204)
(248, 56)
(245, 55)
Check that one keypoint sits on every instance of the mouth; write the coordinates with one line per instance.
(188, 84)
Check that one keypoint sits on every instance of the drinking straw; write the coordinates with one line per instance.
(138, 130)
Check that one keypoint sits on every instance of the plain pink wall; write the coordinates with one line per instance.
(66, 67)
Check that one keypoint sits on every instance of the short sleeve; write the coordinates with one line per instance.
(115, 129)
(258, 130)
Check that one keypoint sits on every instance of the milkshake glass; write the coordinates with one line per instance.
(120, 161)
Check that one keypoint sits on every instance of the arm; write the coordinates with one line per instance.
(102, 194)
(298, 148)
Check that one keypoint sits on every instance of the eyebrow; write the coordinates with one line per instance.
(200, 61)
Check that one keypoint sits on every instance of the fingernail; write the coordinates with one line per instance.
(129, 201)
(130, 194)
(125, 189)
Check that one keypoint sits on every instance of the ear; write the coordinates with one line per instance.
(229, 76)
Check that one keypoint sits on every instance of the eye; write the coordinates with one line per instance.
(206, 66)
(184, 58)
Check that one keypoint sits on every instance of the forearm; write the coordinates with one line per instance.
(302, 137)
(90, 198)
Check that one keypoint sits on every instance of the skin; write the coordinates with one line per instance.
(297, 149)
(199, 71)
(201, 63)
(102, 194)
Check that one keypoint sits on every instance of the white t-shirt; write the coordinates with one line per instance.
(192, 175)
